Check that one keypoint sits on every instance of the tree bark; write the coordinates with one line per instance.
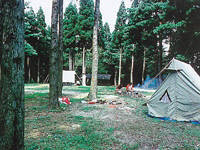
(120, 67)
(160, 56)
(84, 68)
(73, 61)
(132, 67)
(70, 61)
(60, 52)
(115, 78)
(94, 80)
(38, 72)
(144, 65)
(29, 70)
(54, 57)
(12, 73)
(0, 71)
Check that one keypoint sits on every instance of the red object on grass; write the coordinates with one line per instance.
(91, 102)
(66, 100)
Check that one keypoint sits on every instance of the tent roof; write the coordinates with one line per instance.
(175, 64)
(186, 70)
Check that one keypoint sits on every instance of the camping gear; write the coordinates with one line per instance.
(178, 97)
(64, 100)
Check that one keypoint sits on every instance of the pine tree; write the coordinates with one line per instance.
(71, 33)
(185, 40)
(86, 23)
(101, 33)
(12, 74)
(41, 25)
(31, 41)
(118, 35)
(42, 47)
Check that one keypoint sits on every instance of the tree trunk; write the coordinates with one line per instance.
(160, 56)
(73, 61)
(94, 80)
(29, 70)
(120, 67)
(54, 66)
(70, 61)
(60, 51)
(0, 70)
(12, 74)
(144, 66)
(115, 78)
(132, 67)
(38, 72)
(84, 68)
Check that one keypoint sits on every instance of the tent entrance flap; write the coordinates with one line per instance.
(165, 98)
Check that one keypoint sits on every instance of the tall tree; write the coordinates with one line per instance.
(93, 89)
(86, 23)
(12, 71)
(70, 38)
(43, 46)
(31, 45)
(118, 34)
(108, 58)
(41, 27)
(55, 81)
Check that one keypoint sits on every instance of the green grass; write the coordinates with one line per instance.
(81, 89)
(89, 108)
(47, 129)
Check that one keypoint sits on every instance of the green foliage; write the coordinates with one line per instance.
(37, 44)
(152, 22)
(29, 50)
(168, 25)
(101, 33)
(70, 27)
(117, 38)
(120, 25)
(86, 23)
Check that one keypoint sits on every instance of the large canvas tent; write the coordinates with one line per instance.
(178, 98)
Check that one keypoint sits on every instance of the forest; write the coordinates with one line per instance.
(38, 112)
(141, 34)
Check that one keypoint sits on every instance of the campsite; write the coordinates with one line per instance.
(101, 126)
(117, 120)
(100, 75)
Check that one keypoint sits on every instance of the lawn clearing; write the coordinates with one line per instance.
(100, 126)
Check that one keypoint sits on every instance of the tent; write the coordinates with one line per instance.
(178, 97)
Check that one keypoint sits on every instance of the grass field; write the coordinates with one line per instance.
(100, 127)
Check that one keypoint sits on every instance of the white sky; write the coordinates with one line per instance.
(109, 9)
